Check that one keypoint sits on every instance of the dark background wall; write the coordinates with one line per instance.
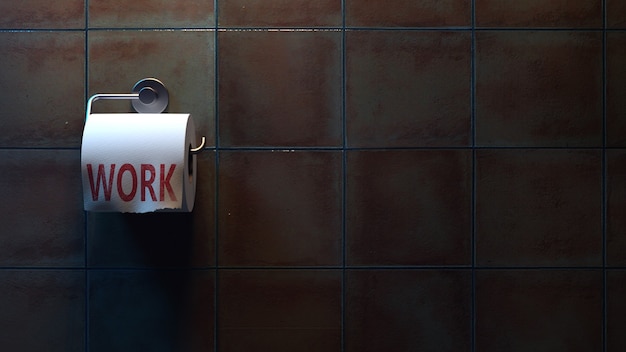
(380, 176)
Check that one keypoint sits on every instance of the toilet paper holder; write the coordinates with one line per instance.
(149, 95)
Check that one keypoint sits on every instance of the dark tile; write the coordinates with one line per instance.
(151, 311)
(616, 89)
(527, 93)
(616, 13)
(280, 208)
(279, 310)
(539, 310)
(42, 310)
(407, 88)
(408, 207)
(539, 13)
(616, 310)
(280, 13)
(616, 205)
(280, 88)
(539, 207)
(151, 14)
(42, 218)
(39, 108)
(159, 239)
(182, 60)
(408, 310)
(408, 13)
(38, 14)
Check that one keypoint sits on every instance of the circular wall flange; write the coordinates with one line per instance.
(153, 96)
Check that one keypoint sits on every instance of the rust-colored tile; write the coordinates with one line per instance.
(616, 310)
(539, 310)
(41, 215)
(408, 207)
(539, 88)
(280, 208)
(616, 89)
(616, 205)
(616, 13)
(42, 80)
(37, 14)
(408, 13)
(159, 239)
(151, 311)
(539, 13)
(408, 310)
(151, 14)
(279, 310)
(42, 310)
(280, 13)
(407, 88)
(280, 88)
(539, 207)
(182, 60)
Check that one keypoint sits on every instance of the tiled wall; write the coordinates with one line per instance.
(408, 175)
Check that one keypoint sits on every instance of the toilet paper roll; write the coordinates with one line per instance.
(138, 163)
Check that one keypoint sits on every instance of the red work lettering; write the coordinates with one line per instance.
(127, 196)
(147, 183)
(95, 184)
(165, 183)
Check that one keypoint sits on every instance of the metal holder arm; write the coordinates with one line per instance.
(129, 96)
(149, 96)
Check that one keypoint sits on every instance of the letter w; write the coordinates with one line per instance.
(107, 187)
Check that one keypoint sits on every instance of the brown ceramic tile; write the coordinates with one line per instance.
(151, 14)
(540, 310)
(407, 88)
(38, 14)
(616, 310)
(408, 13)
(616, 205)
(538, 208)
(539, 13)
(616, 89)
(159, 239)
(279, 310)
(39, 108)
(42, 310)
(280, 208)
(280, 13)
(408, 310)
(616, 13)
(539, 88)
(182, 60)
(151, 311)
(41, 215)
(280, 88)
(409, 207)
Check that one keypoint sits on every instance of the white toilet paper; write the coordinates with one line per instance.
(138, 163)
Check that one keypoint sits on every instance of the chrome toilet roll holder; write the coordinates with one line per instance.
(149, 96)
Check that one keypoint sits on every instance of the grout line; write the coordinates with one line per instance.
(218, 148)
(604, 166)
(328, 267)
(341, 149)
(312, 29)
(473, 176)
(344, 161)
(216, 174)
(348, 148)
(348, 267)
